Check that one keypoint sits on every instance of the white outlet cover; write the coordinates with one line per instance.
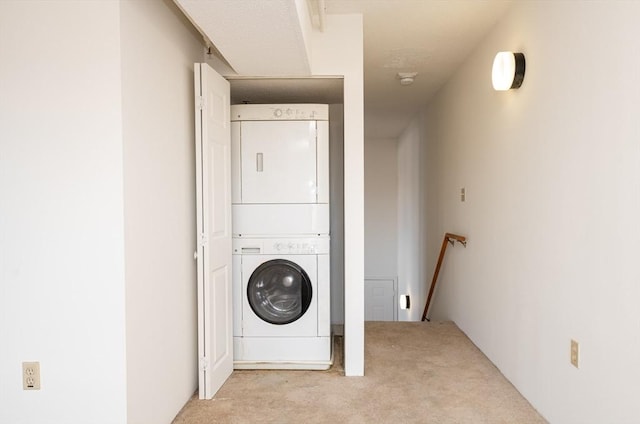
(31, 375)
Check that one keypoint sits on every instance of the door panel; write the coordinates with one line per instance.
(213, 197)
(220, 333)
(278, 162)
(218, 185)
(380, 300)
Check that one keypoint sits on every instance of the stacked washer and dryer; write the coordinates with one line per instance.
(281, 268)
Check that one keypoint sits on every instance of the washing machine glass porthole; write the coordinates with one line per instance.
(279, 291)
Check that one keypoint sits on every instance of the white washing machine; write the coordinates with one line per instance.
(280, 168)
(281, 303)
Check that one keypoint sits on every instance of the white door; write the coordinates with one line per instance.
(213, 187)
(380, 299)
(279, 162)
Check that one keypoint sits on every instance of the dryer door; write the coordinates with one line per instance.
(279, 291)
(278, 162)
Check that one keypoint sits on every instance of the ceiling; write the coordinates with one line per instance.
(430, 37)
(257, 37)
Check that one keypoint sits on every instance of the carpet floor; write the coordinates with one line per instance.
(415, 372)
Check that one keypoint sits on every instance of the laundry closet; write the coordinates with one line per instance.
(283, 222)
(281, 241)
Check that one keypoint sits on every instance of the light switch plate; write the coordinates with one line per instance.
(575, 353)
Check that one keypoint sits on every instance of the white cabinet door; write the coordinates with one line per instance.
(278, 162)
(213, 188)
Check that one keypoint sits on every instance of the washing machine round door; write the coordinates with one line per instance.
(279, 291)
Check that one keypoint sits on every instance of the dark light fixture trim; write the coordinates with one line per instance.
(508, 71)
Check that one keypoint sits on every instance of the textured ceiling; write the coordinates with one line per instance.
(430, 37)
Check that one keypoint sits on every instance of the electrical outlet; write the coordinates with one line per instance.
(463, 194)
(575, 353)
(31, 375)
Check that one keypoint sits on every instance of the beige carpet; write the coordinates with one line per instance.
(415, 372)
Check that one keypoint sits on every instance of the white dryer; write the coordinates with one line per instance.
(280, 168)
(281, 303)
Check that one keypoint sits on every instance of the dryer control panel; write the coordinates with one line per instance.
(280, 112)
(284, 246)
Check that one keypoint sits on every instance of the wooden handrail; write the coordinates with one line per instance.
(448, 238)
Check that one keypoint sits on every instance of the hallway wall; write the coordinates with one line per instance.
(339, 51)
(62, 286)
(380, 209)
(411, 224)
(159, 48)
(552, 175)
(98, 216)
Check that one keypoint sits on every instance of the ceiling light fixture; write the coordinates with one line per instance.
(508, 71)
(406, 78)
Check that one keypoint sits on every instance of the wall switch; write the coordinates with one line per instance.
(31, 375)
(463, 194)
(575, 353)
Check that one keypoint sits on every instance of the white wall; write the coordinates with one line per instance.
(552, 173)
(305, 27)
(411, 252)
(61, 226)
(106, 134)
(158, 52)
(380, 209)
(339, 51)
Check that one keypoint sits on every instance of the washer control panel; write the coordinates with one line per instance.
(295, 248)
(281, 246)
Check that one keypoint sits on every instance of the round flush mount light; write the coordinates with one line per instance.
(508, 71)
